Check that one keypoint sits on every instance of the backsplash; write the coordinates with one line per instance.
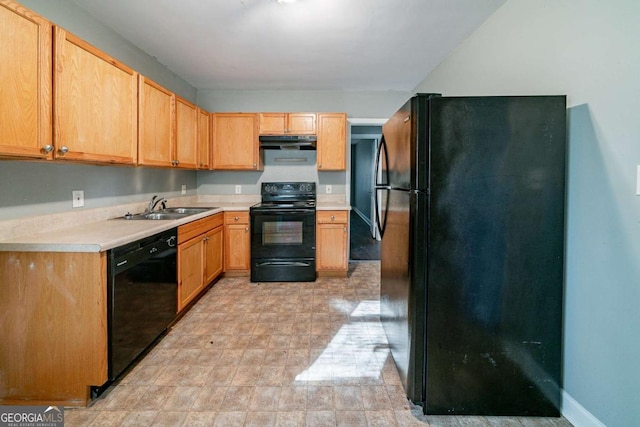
(279, 166)
(43, 188)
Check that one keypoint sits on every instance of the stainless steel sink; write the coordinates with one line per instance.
(157, 216)
(168, 213)
(189, 211)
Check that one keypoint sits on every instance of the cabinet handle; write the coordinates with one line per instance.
(177, 162)
(345, 229)
(47, 148)
(235, 218)
(255, 165)
(63, 150)
(320, 166)
(206, 239)
(246, 229)
(333, 218)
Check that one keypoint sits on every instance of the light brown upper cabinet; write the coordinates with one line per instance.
(95, 105)
(185, 153)
(235, 141)
(332, 141)
(287, 123)
(204, 139)
(156, 124)
(25, 83)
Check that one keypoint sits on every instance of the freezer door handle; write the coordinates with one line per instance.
(384, 176)
(382, 184)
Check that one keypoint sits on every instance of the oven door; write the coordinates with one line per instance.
(283, 234)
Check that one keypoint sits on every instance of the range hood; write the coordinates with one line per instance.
(288, 142)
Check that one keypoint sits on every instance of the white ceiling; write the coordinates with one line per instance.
(308, 45)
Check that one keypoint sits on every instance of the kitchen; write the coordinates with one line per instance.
(595, 164)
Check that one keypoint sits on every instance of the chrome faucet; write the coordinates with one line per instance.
(155, 200)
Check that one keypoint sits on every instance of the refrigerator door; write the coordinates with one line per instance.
(495, 269)
(402, 287)
(398, 155)
(407, 137)
(395, 280)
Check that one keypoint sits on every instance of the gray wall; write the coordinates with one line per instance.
(587, 50)
(32, 188)
(362, 160)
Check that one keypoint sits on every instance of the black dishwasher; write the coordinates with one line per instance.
(141, 296)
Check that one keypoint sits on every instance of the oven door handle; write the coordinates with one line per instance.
(283, 264)
(287, 211)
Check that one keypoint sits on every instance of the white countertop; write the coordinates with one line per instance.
(105, 234)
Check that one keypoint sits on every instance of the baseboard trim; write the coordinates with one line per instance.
(577, 414)
(361, 215)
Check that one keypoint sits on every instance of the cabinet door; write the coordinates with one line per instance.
(301, 123)
(186, 147)
(287, 123)
(273, 123)
(332, 141)
(331, 246)
(190, 268)
(54, 331)
(235, 141)
(237, 246)
(204, 140)
(95, 104)
(213, 250)
(156, 112)
(25, 83)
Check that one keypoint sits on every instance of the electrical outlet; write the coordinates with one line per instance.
(328, 189)
(78, 198)
(238, 189)
(184, 189)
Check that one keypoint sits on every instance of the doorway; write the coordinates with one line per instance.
(364, 139)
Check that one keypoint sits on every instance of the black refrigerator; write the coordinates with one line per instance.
(471, 210)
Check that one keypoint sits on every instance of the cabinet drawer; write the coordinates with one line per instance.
(192, 229)
(236, 217)
(332, 217)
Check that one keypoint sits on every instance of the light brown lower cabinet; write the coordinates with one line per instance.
(200, 255)
(237, 243)
(53, 339)
(332, 243)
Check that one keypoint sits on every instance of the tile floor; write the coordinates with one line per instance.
(274, 354)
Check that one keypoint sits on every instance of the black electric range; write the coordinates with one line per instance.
(283, 233)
